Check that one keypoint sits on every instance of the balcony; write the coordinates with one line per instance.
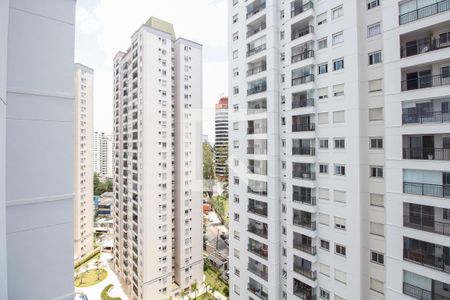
(257, 207)
(427, 254)
(257, 106)
(258, 228)
(301, 100)
(303, 171)
(257, 147)
(302, 79)
(426, 189)
(303, 219)
(423, 45)
(423, 147)
(419, 223)
(262, 87)
(303, 195)
(255, 50)
(297, 7)
(303, 243)
(258, 268)
(426, 153)
(255, 7)
(421, 80)
(258, 167)
(426, 117)
(302, 56)
(252, 30)
(299, 32)
(304, 267)
(426, 218)
(424, 12)
(303, 291)
(257, 289)
(257, 248)
(303, 151)
(420, 293)
(257, 68)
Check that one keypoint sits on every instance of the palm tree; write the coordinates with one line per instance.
(194, 288)
(183, 294)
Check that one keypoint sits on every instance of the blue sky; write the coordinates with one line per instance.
(104, 27)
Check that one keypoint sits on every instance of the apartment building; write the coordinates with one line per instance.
(158, 163)
(103, 154)
(36, 149)
(307, 166)
(417, 160)
(221, 139)
(83, 173)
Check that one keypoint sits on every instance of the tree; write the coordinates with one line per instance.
(208, 168)
(194, 288)
(101, 187)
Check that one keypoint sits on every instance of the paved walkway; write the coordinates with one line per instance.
(93, 292)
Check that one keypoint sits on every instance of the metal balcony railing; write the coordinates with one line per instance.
(420, 293)
(310, 200)
(258, 231)
(426, 153)
(421, 223)
(298, 102)
(258, 150)
(302, 56)
(425, 82)
(305, 248)
(258, 291)
(256, 9)
(426, 189)
(424, 45)
(256, 69)
(424, 12)
(296, 127)
(303, 151)
(257, 89)
(426, 117)
(260, 211)
(255, 50)
(308, 224)
(255, 30)
(302, 80)
(259, 130)
(422, 257)
(298, 9)
(260, 250)
(297, 33)
(305, 272)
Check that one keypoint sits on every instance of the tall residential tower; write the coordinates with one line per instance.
(321, 203)
(103, 154)
(83, 175)
(36, 149)
(221, 139)
(158, 163)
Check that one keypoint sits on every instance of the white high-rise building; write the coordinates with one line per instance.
(314, 89)
(103, 154)
(158, 163)
(83, 174)
(221, 139)
(36, 149)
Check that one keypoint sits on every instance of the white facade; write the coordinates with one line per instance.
(83, 174)
(221, 138)
(36, 83)
(103, 154)
(320, 200)
(158, 163)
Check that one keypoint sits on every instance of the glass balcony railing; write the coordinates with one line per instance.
(302, 80)
(302, 56)
(257, 89)
(256, 9)
(296, 127)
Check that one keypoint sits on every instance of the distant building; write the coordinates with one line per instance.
(104, 204)
(221, 143)
(103, 154)
(82, 177)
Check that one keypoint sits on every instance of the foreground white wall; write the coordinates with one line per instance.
(39, 148)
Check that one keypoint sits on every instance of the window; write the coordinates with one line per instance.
(337, 12)
(235, 36)
(324, 269)
(376, 285)
(339, 196)
(338, 90)
(338, 64)
(323, 68)
(235, 18)
(325, 295)
(372, 3)
(237, 290)
(339, 143)
(236, 180)
(321, 19)
(377, 228)
(236, 199)
(376, 257)
(325, 245)
(235, 125)
(340, 276)
(236, 161)
(376, 143)
(322, 93)
(236, 144)
(376, 200)
(235, 72)
(375, 85)
(324, 219)
(235, 90)
(322, 118)
(339, 170)
(324, 193)
(376, 114)
(235, 54)
(235, 2)
(340, 223)
(237, 253)
(340, 249)
(338, 117)
(446, 213)
(375, 57)
(323, 168)
(376, 172)
(373, 30)
(236, 106)
(323, 143)
(338, 38)
(322, 43)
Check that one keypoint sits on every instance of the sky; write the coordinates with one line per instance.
(104, 27)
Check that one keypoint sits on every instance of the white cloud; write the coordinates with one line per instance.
(110, 23)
